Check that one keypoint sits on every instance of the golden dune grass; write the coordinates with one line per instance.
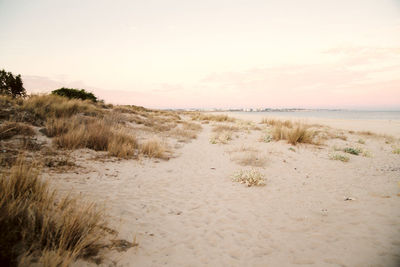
(8, 129)
(100, 135)
(153, 148)
(297, 134)
(122, 145)
(225, 128)
(210, 117)
(276, 122)
(36, 226)
(191, 126)
(46, 106)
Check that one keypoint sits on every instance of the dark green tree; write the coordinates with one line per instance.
(11, 85)
(75, 93)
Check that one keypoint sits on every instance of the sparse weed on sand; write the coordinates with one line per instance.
(396, 151)
(222, 137)
(249, 158)
(361, 141)
(353, 151)
(249, 177)
(339, 157)
(186, 132)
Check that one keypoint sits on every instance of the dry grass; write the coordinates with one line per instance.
(35, 227)
(245, 125)
(47, 106)
(154, 148)
(183, 135)
(9, 129)
(366, 133)
(225, 128)
(276, 122)
(186, 132)
(296, 134)
(191, 126)
(222, 137)
(122, 145)
(210, 117)
(100, 135)
(339, 157)
(249, 158)
(249, 177)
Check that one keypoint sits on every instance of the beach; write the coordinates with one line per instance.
(313, 210)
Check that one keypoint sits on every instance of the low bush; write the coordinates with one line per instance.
(249, 177)
(72, 93)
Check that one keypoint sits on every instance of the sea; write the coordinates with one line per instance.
(327, 114)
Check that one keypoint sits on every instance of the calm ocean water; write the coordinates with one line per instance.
(330, 114)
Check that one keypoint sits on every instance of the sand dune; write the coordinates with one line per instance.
(313, 210)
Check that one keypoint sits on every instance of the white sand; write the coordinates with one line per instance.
(188, 212)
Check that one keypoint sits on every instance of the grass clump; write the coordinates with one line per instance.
(9, 129)
(339, 157)
(294, 135)
(221, 137)
(100, 135)
(353, 151)
(153, 148)
(249, 177)
(396, 151)
(36, 227)
(122, 145)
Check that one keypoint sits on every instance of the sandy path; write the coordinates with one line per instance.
(186, 213)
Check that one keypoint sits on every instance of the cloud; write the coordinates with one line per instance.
(362, 76)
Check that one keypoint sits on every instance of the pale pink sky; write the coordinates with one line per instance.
(182, 54)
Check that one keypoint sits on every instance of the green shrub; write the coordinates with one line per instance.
(75, 93)
(353, 151)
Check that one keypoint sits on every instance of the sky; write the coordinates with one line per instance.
(209, 53)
